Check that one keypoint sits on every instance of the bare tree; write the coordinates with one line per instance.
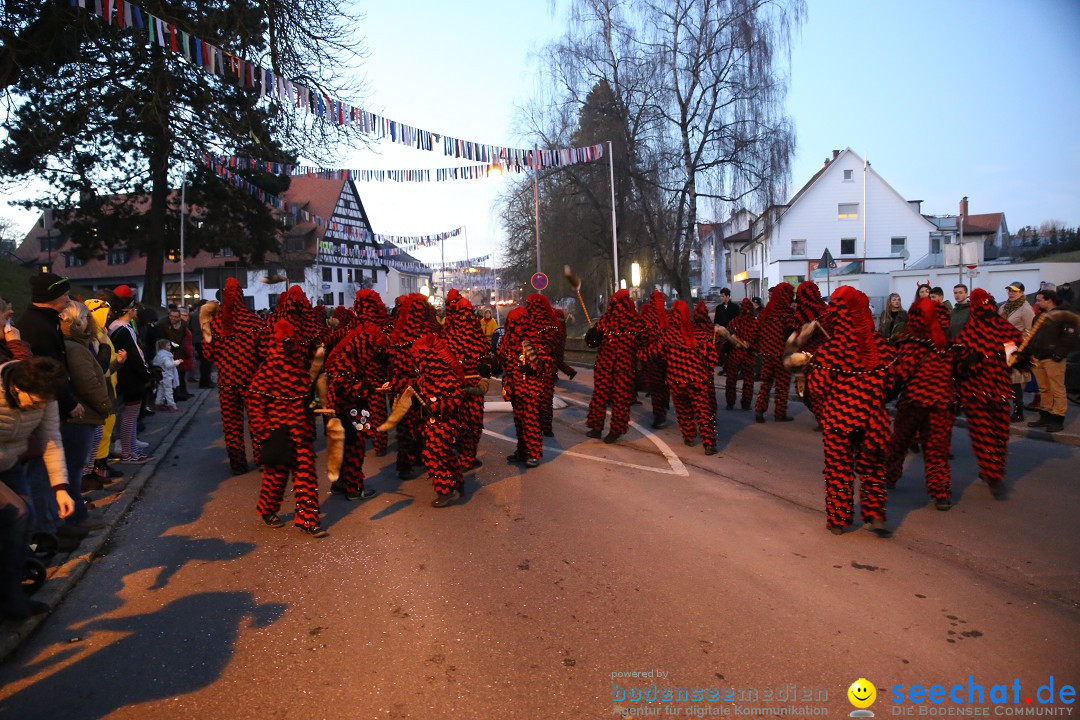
(698, 90)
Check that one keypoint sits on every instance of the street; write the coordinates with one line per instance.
(548, 592)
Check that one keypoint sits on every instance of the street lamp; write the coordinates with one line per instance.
(635, 274)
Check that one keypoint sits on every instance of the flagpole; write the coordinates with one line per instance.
(183, 196)
(614, 229)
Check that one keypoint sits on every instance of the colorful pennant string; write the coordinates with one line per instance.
(268, 84)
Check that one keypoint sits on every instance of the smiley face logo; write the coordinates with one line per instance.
(862, 693)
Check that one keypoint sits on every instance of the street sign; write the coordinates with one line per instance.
(539, 281)
(827, 260)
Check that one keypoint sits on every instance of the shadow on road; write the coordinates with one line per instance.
(179, 649)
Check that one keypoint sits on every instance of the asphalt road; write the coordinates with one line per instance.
(543, 592)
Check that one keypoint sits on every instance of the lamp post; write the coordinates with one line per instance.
(635, 278)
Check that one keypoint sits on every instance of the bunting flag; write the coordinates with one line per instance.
(249, 76)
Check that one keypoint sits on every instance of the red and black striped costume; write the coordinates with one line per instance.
(983, 385)
(924, 370)
(653, 370)
(525, 381)
(368, 307)
(560, 345)
(234, 346)
(846, 382)
(415, 319)
(544, 328)
(809, 307)
(353, 392)
(690, 356)
(705, 330)
(468, 344)
(616, 336)
(775, 324)
(279, 397)
(438, 383)
(740, 361)
(340, 324)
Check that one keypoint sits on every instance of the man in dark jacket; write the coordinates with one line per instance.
(39, 326)
(1053, 337)
(725, 311)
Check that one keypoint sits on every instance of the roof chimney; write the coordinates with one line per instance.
(835, 154)
(963, 206)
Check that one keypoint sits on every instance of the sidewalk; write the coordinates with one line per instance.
(162, 432)
(1069, 436)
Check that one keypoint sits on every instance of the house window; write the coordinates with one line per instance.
(71, 260)
(845, 211)
(327, 274)
(898, 244)
(847, 176)
(798, 247)
(339, 274)
(272, 299)
(50, 243)
(935, 246)
(328, 299)
(847, 246)
(119, 256)
(348, 275)
(341, 298)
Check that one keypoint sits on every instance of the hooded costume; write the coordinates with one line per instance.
(352, 392)
(469, 345)
(983, 385)
(415, 319)
(368, 307)
(847, 378)
(234, 345)
(741, 360)
(526, 360)
(653, 369)
(281, 420)
(544, 329)
(924, 369)
(690, 354)
(617, 337)
(438, 392)
(775, 324)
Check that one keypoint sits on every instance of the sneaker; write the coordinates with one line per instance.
(337, 487)
(878, 528)
(532, 462)
(611, 437)
(272, 520)
(594, 433)
(314, 531)
(362, 494)
(136, 459)
(943, 504)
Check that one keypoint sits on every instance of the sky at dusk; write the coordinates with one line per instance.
(945, 98)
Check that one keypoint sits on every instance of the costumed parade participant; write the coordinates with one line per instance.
(741, 358)
(809, 307)
(690, 356)
(526, 361)
(924, 369)
(368, 307)
(469, 345)
(708, 336)
(654, 373)
(351, 392)
(544, 330)
(775, 324)
(278, 405)
(434, 393)
(616, 335)
(846, 381)
(231, 338)
(560, 346)
(984, 387)
(415, 318)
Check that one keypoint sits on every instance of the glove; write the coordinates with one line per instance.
(593, 337)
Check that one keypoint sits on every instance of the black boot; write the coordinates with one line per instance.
(1018, 414)
(1043, 421)
(1055, 423)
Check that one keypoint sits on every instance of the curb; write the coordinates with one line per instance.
(1062, 438)
(63, 578)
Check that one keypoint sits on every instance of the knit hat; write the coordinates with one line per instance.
(46, 287)
(122, 298)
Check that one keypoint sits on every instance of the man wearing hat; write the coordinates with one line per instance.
(1018, 311)
(39, 326)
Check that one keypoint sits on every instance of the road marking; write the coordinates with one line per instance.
(676, 466)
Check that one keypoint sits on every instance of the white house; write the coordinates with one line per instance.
(716, 249)
(848, 209)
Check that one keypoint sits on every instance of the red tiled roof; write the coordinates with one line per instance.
(985, 224)
(704, 229)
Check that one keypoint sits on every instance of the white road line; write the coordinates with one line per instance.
(676, 465)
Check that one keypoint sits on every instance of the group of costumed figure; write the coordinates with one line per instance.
(367, 371)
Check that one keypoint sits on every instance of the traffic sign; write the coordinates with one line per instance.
(827, 260)
(539, 281)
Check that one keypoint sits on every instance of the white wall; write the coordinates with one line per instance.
(992, 278)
